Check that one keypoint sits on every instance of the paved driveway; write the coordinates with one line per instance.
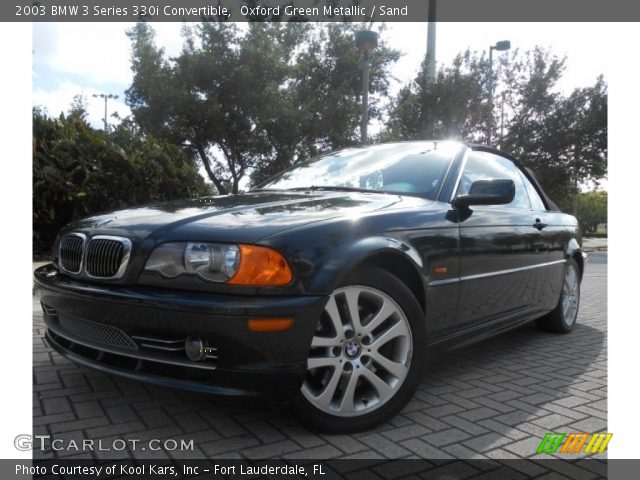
(494, 399)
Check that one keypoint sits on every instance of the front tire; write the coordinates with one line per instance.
(366, 356)
(563, 318)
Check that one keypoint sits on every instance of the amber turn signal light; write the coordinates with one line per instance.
(261, 266)
(269, 324)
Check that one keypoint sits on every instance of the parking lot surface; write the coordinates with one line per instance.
(494, 399)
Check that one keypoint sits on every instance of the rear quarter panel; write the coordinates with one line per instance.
(564, 241)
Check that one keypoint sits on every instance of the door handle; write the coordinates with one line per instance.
(539, 225)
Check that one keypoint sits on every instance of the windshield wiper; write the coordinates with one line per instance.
(336, 188)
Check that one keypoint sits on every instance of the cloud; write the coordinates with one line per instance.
(98, 51)
(88, 58)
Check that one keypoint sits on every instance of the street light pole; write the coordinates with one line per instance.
(431, 42)
(366, 41)
(490, 121)
(106, 97)
(499, 46)
(364, 118)
(502, 119)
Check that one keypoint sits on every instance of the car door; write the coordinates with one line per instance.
(554, 236)
(500, 249)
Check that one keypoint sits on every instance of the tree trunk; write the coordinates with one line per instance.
(233, 159)
(207, 166)
(576, 190)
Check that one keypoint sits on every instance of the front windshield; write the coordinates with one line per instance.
(416, 168)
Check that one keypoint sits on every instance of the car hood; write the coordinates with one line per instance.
(239, 218)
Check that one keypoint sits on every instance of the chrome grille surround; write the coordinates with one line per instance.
(106, 257)
(102, 257)
(71, 252)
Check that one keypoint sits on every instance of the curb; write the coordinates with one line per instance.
(594, 249)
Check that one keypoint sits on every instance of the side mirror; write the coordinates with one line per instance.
(487, 192)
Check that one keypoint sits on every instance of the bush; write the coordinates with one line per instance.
(79, 171)
(592, 211)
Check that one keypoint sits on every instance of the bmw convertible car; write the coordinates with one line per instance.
(327, 285)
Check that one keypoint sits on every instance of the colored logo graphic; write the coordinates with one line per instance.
(554, 442)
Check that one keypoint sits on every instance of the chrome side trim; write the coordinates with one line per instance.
(493, 274)
(126, 244)
(82, 248)
(444, 281)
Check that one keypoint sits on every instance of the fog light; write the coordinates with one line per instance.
(195, 349)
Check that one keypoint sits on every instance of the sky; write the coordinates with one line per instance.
(93, 58)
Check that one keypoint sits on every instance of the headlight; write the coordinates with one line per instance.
(216, 263)
(234, 264)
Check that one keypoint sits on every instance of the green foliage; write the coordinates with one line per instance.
(564, 139)
(79, 171)
(256, 100)
(453, 106)
(592, 210)
(78, 108)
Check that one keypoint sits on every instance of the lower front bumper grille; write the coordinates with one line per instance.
(141, 347)
(136, 365)
(97, 333)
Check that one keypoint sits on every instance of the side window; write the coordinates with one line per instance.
(534, 197)
(487, 166)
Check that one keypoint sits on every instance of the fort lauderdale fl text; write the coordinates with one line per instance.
(170, 470)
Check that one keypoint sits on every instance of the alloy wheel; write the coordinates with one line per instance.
(570, 295)
(360, 353)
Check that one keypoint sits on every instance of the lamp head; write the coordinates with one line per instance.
(366, 40)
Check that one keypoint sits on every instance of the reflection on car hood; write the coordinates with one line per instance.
(240, 218)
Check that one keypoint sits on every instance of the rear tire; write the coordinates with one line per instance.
(562, 319)
(363, 371)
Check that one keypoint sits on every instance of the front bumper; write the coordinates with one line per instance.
(138, 332)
